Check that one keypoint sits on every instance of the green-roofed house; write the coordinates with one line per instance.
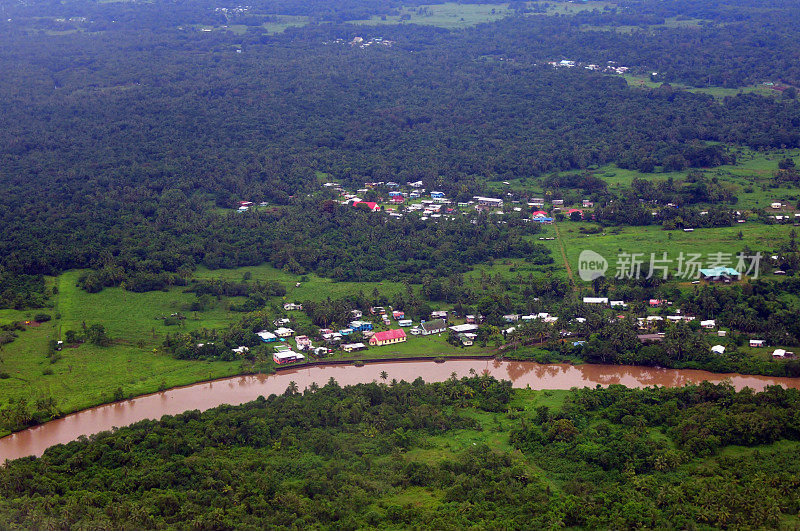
(724, 274)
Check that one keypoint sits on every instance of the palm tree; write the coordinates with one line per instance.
(293, 389)
(384, 375)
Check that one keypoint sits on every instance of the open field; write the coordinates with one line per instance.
(671, 22)
(751, 178)
(644, 82)
(272, 25)
(448, 15)
(653, 239)
(452, 15)
(313, 288)
(88, 375)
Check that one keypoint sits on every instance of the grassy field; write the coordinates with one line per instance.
(88, 375)
(643, 82)
(653, 239)
(750, 178)
(672, 22)
(314, 288)
(273, 25)
(452, 15)
(448, 15)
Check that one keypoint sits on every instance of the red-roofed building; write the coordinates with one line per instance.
(398, 199)
(573, 210)
(388, 337)
(540, 213)
(371, 205)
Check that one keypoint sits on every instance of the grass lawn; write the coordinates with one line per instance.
(416, 346)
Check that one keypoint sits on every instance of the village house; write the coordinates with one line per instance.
(405, 322)
(303, 342)
(587, 204)
(287, 356)
(720, 274)
(618, 304)
(465, 339)
(398, 314)
(488, 202)
(284, 332)
(436, 326)
(558, 202)
(321, 351)
(439, 314)
(388, 337)
(718, 349)
(371, 205)
(437, 195)
(757, 343)
(464, 328)
(360, 326)
(352, 347)
(290, 306)
(356, 314)
(511, 317)
(267, 337)
(595, 300)
(240, 350)
(397, 199)
(375, 310)
(470, 319)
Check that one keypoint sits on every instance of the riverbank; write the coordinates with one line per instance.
(244, 388)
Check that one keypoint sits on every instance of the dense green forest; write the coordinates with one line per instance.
(467, 452)
(121, 141)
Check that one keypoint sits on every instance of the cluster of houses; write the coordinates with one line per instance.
(399, 328)
(361, 42)
(434, 204)
(611, 67)
(331, 339)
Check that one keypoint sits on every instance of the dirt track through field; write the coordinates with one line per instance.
(564, 256)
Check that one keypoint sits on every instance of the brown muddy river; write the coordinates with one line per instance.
(241, 389)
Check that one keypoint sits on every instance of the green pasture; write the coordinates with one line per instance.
(644, 82)
(273, 25)
(653, 239)
(87, 375)
(572, 8)
(448, 15)
(313, 288)
(671, 22)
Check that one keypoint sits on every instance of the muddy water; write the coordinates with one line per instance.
(240, 389)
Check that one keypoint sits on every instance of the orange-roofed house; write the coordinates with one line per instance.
(388, 337)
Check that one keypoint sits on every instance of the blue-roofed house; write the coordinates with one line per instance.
(360, 326)
(720, 274)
